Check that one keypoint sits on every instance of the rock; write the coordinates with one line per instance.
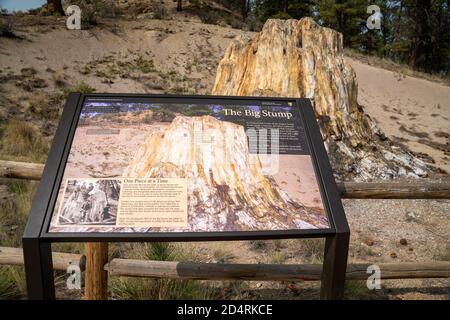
(299, 58)
(368, 241)
(403, 242)
(28, 72)
(393, 255)
(410, 216)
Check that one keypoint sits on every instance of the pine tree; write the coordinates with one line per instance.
(347, 17)
(55, 7)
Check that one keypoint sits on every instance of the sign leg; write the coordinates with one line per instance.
(334, 267)
(39, 269)
(96, 280)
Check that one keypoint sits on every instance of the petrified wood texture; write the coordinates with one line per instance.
(227, 189)
(299, 58)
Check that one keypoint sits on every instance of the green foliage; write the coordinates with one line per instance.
(277, 9)
(416, 33)
(160, 251)
(209, 16)
(347, 17)
(281, 15)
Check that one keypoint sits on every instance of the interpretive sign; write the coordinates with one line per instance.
(183, 168)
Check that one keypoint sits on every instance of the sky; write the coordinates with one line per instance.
(23, 5)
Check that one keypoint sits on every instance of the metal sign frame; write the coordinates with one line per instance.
(37, 240)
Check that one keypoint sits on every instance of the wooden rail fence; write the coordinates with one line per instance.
(419, 189)
(267, 272)
(217, 271)
(97, 267)
(61, 260)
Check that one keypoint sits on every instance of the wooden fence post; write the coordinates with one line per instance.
(96, 278)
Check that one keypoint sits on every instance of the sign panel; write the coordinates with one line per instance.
(160, 165)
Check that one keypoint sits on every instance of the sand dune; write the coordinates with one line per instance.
(410, 110)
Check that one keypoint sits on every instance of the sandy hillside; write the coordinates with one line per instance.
(411, 111)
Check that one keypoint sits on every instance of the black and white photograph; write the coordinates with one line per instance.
(90, 202)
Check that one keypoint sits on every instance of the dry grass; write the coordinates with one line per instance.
(12, 283)
(312, 249)
(144, 289)
(81, 87)
(43, 106)
(21, 141)
(357, 289)
(13, 217)
(6, 28)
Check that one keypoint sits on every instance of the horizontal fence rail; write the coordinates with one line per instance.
(61, 260)
(250, 272)
(21, 170)
(412, 189)
(267, 272)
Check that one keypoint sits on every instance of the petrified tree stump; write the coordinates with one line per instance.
(299, 58)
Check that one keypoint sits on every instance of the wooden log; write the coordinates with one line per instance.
(21, 170)
(61, 260)
(96, 278)
(395, 190)
(267, 272)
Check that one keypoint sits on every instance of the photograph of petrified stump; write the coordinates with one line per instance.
(227, 188)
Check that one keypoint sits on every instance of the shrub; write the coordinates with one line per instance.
(145, 66)
(159, 10)
(81, 87)
(281, 15)
(44, 106)
(253, 23)
(6, 29)
(11, 283)
(91, 10)
(312, 249)
(140, 289)
(13, 217)
(58, 79)
(209, 16)
(233, 22)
